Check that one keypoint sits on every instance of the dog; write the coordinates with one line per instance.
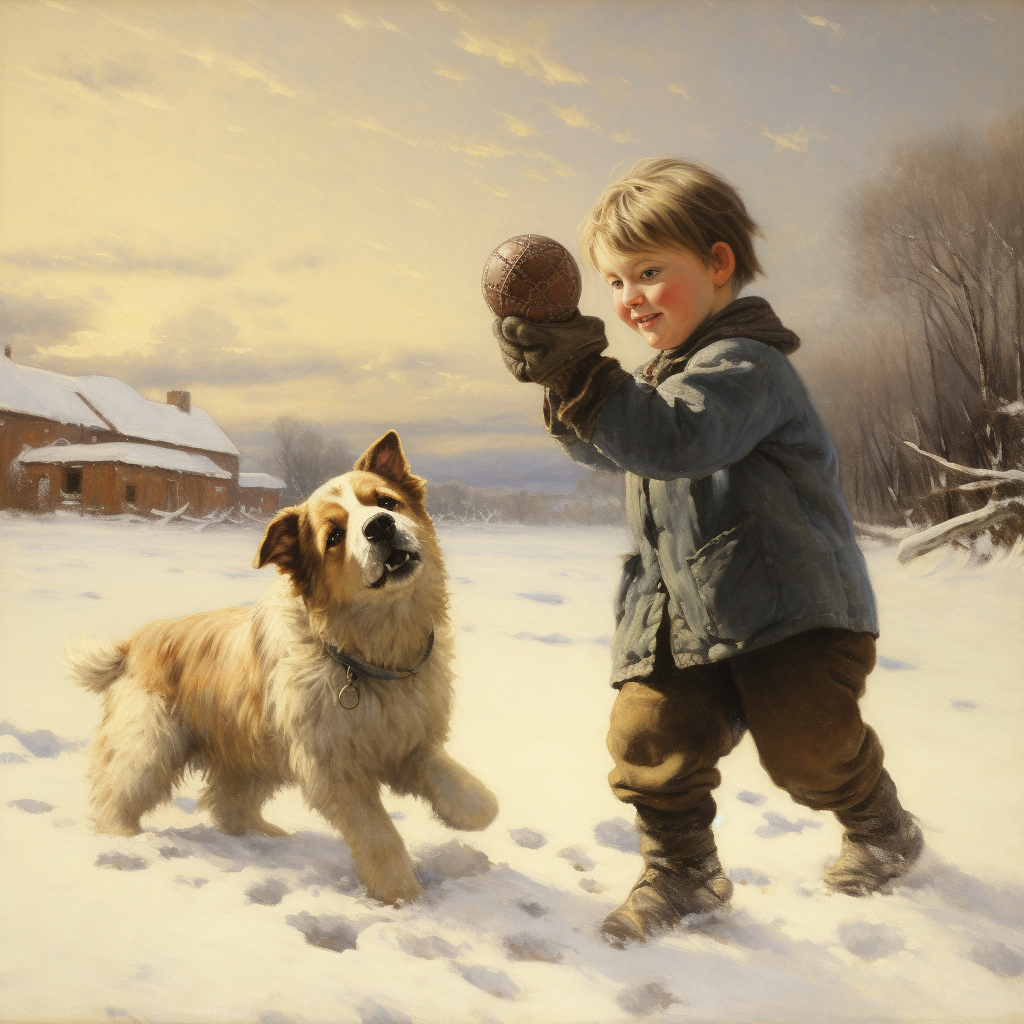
(338, 680)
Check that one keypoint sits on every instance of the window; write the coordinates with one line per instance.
(129, 493)
(74, 480)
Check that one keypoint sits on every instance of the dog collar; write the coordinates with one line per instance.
(354, 669)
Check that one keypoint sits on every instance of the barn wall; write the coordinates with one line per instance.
(259, 499)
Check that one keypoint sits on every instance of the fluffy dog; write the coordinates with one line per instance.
(337, 680)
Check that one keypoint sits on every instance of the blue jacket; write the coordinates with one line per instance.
(733, 498)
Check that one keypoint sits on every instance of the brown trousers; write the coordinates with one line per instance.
(797, 697)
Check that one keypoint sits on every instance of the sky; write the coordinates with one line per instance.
(284, 206)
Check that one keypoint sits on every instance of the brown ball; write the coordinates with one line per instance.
(533, 277)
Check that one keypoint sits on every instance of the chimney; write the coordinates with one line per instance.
(7, 351)
(182, 399)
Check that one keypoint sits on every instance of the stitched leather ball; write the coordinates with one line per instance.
(531, 276)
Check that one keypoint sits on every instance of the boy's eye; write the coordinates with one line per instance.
(387, 503)
(616, 284)
(335, 537)
(649, 273)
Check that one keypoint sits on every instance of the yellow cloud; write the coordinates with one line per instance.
(532, 173)
(562, 170)
(499, 192)
(796, 141)
(835, 88)
(622, 137)
(574, 117)
(510, 53)
(455, 76)
(212, 58)
(351, 19)
(822, 23)
(519, 127)
(672, 87)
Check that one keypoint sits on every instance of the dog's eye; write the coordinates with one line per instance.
(387, 503)
(336, 536)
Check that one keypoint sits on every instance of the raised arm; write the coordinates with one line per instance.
(730, 397)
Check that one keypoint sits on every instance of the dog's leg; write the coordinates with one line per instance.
(356, 811)
(235, 802)
(458, 798)
(139, 754)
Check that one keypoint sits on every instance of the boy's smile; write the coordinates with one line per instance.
(665, 294)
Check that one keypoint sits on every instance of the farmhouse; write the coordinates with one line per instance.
(97, 443)
(260, 492)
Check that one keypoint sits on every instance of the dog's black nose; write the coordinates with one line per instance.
(379, 528)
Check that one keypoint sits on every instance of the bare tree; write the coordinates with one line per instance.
(938, 241)
(305, 458)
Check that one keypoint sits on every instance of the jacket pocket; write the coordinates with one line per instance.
(735, 585)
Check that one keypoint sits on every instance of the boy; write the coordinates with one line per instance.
(747, 603)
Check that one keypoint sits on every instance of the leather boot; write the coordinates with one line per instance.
(881, 842)
(682, 875)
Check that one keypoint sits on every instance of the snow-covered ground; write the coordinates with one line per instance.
(183, 923)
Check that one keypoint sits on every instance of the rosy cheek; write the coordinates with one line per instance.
(668, 296)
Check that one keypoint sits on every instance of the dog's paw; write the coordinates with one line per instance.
(479, 807)
(397, 891)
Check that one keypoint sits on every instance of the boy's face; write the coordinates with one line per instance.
(665, 294)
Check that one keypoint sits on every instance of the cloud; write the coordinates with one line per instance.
(446, 72)
(118, 257)
(796, 141)
(561, 169)
(213, 58)
(35, 319)
(511, 53)
(672, 87)
(519, 127)
(574, 117)
(98, 84)
(822, 23)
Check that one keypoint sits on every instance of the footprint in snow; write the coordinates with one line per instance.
(426, 947)
(452, 860)
(577, 858)
(757, 799)
(543, 598)
(619, 834)
(186, 804)
(527, 838)
(531, 908)
(592, 885)
(31, 806)
(549, 638)
(268, 893)
(495, 983)
(893, 665)
(121, 861)
(642, 999)
(870, 941)
(524, 946)
(964, 705)
(780, 825)
(328, 931)
(371, 1012)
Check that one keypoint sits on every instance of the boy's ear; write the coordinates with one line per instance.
(386, 458)
(281, 545)
(725, 263)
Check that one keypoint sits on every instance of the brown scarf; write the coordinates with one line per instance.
(749, 317)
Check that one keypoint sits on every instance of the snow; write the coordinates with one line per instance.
(265, 480)
(102, 403)
(33, 392)
(149, 455)
(183, 923)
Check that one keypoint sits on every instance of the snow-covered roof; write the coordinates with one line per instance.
(148, 455)
(102, 403)
(265, 480)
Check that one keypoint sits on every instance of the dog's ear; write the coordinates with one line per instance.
(280, 544)
(386, 458)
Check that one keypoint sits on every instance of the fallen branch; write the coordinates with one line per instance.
(166, 517)
(1004, 475)
(960, 526)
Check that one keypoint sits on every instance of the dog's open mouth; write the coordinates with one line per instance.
(397, 566)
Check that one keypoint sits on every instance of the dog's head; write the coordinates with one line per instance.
(363, 533)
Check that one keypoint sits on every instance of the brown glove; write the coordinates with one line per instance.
(549, 354)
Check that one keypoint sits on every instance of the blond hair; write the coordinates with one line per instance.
(666, 203)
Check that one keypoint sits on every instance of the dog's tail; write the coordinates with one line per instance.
(95, 664)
